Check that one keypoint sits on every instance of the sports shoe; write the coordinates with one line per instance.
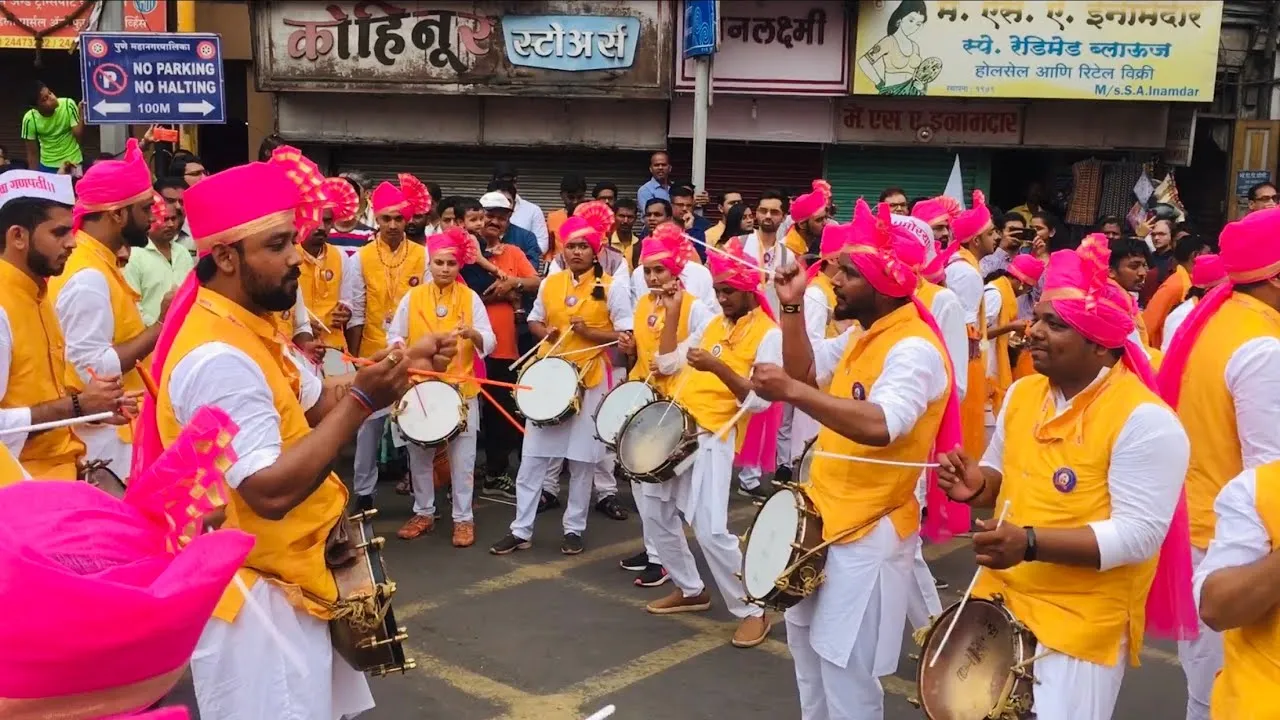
(571, 545)
(417, 526)
(464, 534)
(636, 562)
(509, 544)
(652, 576)
(499, 486)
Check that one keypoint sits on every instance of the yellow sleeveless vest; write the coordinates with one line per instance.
(321, 281)
(650, 320)
(425, 305)
(387, 277)
(702, 393)
(564, 298)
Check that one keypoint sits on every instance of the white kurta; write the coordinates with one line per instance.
(816, 315)
(949, 314)
(991, 303)
(771, 259)
(1174, 320)
(240, 669)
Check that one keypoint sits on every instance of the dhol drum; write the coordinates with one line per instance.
(432, 413)
(556, 391)
(363, 627)
(619, 405)
(983, 670)
(97, 474)
(334, 364)
(656, 442)
(783, 552)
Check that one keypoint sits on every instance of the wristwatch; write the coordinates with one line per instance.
(1030, 554)
(791, 309)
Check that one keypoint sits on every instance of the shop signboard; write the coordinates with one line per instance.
(552, 47)
(1246, 179)
(1096, 50)
(894, 121)
(136, 78)
(776, 47)
(25, 18)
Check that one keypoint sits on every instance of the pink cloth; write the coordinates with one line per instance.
(454, 241)
(731, 267)
(1207, 271)
(113, 184)
(111, 592)
(416, 193)
(576, 228)
(669, 246)
(1027, 269)
(760, 441)
(836, 240)
(598, 215)
(159, 211)
(937, 210)
(878, 253)
(971, 223)
(935, 270)
(811, 203)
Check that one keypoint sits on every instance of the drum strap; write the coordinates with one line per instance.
(838, 537)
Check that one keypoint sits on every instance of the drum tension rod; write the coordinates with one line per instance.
(400, 636)
(363, 515)
(384, 670)
(376, 543)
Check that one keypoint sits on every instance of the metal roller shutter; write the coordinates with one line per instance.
(60, 71)
(749, 168)
(466, 171)
(922, 172)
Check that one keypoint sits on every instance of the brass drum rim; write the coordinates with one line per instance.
(1023, 642)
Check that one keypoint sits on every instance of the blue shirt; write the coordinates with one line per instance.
(650, 190)
(526, 241)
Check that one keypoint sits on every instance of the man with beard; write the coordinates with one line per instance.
(1010, 228)
(624, 239)
(377, 278)
(106, 336)
(423, 225)
(499, 216)
(35, 223)
(891, 398)
(158, 268)
(809, 215)
(220, 349)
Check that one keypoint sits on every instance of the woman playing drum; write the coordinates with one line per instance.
(446, 305)
(579, 313)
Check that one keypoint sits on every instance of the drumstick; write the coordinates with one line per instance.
(96, 417)
(1031, 660)
(671, 402)
(532, 350)
(467, 378)
(718, 251)
(588, 349)
(148, 381)
(732, 422)
(514, 423)
(965, 599)
(873, 461)
(604, 712)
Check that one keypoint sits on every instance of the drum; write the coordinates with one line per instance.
(556, 393)
(432, 413)
(783, 554)
(656, 441)
(805, 466)
(980, 672)
(334, 364)
(363, 628)
(97, 474)
(617, 406)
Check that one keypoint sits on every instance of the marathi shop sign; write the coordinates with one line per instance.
(1089, 49)
(423, 46)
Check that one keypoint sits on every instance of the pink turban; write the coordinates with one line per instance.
(341, 198)
(598, 215)
(874, 251)
(935, 270)
(971, 223)
(1027, 269)
(1083, 295)
(576, 228)
(938, 210)
(811, 203)
(836, 240)
(917, 230)
(668, 245)
(730, 266)
(1207, 271)
(411, 198)
(106, 598)
(113, 184)
(454, 241)
(159, 211)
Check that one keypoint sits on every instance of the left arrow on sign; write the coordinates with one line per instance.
(106, 108)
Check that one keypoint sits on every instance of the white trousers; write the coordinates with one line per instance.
(701, 495)
(749, 477)
(648, 516)
(462, 463)
(242, 673)
(1201, 659)
(602, 479)
(365, 472)
(529, 482)
(1068, 688)
(923, 602)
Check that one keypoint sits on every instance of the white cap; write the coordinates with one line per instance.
(16, 184)
(495, 201)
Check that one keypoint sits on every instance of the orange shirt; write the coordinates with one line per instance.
(502, 315)
(1169, 295)
(555, 219)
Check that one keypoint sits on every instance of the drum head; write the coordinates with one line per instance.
(334, 365)
(650, 437)
(768, 550)
(620, 404)
(554, 383)
(967, 680)
(429, 412)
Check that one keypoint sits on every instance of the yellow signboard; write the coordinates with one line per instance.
(1165, 51)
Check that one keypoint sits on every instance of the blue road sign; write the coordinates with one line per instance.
(700, 28)
(145, 78)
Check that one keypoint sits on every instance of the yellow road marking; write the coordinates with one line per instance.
(471, 683)
(647, 665)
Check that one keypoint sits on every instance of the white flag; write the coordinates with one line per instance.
(955, 186)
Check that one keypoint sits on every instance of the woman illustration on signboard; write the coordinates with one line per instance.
(895, 62)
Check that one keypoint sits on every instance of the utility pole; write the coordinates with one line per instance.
(111, 138)
(701, 39)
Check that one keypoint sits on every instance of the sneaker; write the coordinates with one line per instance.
(652, 576)
(756, 493)
(636, 562)
(940, 584)
(572, 544)
(510, 544)
(609, 506)
(499, 486)
(752, 631)
(364, 502)
(464, 534)
(782, 474)
(676, 602)
(417, 526)
(547, 502)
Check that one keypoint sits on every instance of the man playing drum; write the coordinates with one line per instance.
(579, 312)
(711, 370)
(219, 348)
(1089, 460)
(890, 395)
(446, 305)
(665, 316)
(324, 294)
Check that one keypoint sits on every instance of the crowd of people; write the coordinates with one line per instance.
(1109, 397)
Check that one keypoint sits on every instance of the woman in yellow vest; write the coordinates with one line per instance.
(1004, 287)
(377, 278)
(579, 310)
(1086, 460)
(446, 305)
(665, 316)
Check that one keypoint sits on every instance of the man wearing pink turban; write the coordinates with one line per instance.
(938, 213)
(376, 279)
(274, 658)
(890, 399)
(975, 237)
(1207, 273)
(1222, 375)
(96, 307)
(809, 217)
(1083, 468)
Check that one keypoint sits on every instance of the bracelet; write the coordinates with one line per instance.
(979, 493)
(75, 405)
(791, 309)
(362, 398)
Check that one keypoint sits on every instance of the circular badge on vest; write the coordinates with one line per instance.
(1064, 479)
(328, 275)
(571, 301)
(413, 281)
(286, 314)
(859, 392)
(715, 351)
(653, 321)
(441, 311)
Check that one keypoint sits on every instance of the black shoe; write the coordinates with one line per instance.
(572, 544)
(940, 584)
(499, 486)
(636, 562)
(758, 492)
(547, 502)
(782, 474)
(609, 506)
(510, 544)
(364, 502)
(652, 576)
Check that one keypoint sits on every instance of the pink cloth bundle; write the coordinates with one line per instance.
(760, 441)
